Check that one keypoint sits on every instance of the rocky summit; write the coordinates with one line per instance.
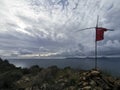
(68, 79)
(54, 78)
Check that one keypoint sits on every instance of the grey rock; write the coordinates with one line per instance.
(95, 73)
(93, 83)
(87, 88)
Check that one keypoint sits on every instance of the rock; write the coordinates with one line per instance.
(60, 77)
(110, 79)
(28, 88)
(117, 83)
(103, 84)
(65, 80)
(88, 75)
(27, 79)
(80, 83)
(44, 86)
(71, 88)
(86, 88)
(97, 88)
(55, 82)
(24, 82)
(80, 78)
(85, 83)
(60, 80)
(34, 88)
(84, 78)
(108, 82)
(79, 89)
(84, 73)
(62, 84)
(93, 83)
(95, 73)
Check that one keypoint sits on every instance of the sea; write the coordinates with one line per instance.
(108, 65)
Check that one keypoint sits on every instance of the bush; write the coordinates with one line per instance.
(7, 79)
(25, 71)
(35, 69)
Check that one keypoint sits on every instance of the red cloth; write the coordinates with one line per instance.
(100, 33)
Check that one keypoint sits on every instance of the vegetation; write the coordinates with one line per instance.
(53, 78)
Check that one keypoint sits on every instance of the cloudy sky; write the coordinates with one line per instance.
(48, 27)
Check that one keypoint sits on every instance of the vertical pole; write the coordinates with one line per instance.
(95, 49)
(96, 42)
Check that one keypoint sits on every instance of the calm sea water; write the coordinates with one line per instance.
(111, 65)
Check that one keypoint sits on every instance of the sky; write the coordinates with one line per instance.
(48, 28)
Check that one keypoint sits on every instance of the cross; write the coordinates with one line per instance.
(99, 35)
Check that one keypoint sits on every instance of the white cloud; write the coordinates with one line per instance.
(30, 24)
